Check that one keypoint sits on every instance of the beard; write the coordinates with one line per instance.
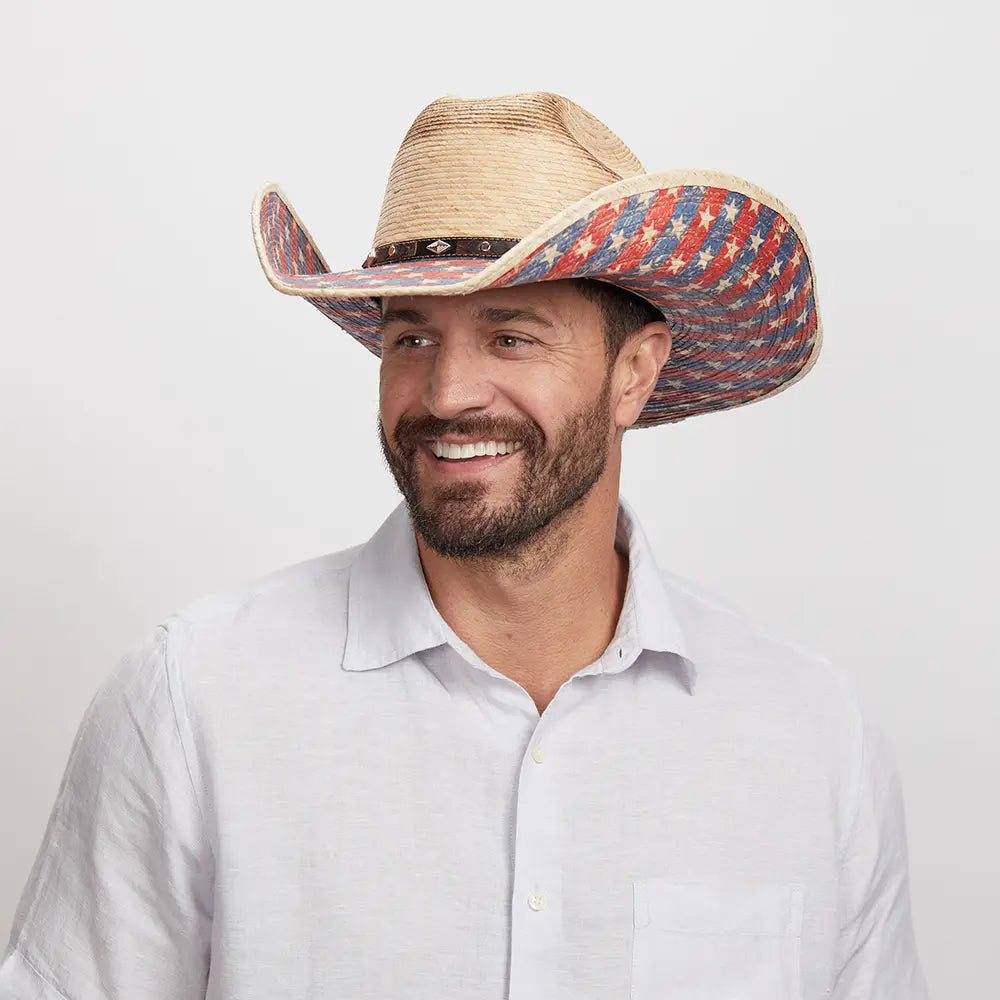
(456, 520)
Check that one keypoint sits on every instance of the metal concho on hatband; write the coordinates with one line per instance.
(439, 246)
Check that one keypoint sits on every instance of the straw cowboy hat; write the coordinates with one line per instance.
(497, 191)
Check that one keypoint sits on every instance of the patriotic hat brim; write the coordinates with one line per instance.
(724, 261)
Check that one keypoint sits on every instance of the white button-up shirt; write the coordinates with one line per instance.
(313, 788)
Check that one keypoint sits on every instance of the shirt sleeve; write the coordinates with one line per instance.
(876, 950)
(118, 903)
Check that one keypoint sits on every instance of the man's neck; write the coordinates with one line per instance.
(540, 617)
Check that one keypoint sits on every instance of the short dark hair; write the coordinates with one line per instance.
(622, 311)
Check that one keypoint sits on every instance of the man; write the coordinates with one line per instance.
(515, 546)
(495, 751)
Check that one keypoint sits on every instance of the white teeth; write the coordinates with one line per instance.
(459, 451)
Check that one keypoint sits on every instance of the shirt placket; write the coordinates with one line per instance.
(536, 925)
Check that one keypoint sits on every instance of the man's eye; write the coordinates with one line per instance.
(402, 341)
(510, 336)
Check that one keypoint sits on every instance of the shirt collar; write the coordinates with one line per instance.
(390, 613)
(648, 618)
(387, 574)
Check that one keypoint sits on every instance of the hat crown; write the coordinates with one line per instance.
(497, 166)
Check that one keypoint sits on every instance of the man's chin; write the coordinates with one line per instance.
(453, 528)
(452, 520)
(454, 545)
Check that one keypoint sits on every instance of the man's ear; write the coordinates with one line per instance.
(642, 357)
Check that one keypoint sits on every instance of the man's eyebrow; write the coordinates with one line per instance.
(402, 316)
(490, 314)
(497, 314)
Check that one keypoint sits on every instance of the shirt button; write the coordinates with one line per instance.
(537, 753)
(536, 901)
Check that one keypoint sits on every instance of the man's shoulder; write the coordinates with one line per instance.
(286, 588)
(733, 647)
(290, 607)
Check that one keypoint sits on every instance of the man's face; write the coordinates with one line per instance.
(523, 365)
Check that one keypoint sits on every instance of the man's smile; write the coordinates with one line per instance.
(450, 457)
(451, 449)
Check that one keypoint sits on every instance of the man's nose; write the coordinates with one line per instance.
(458, 382)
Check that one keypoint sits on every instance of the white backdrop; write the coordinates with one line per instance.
(170, 425)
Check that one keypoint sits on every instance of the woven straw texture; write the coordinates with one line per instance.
(725, 262)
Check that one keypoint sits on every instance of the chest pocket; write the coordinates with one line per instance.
(703, 941)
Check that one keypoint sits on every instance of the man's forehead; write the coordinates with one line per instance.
(548, 303)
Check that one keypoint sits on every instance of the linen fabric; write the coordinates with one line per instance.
(311, 787)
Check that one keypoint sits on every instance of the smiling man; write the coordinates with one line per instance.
(495, 751)
(506, 410)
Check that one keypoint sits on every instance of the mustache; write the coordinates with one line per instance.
(411, 431)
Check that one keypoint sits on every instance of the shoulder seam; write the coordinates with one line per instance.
(857, 769)
(31, 965)
(177, 697)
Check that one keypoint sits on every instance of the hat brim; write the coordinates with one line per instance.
(724, 261)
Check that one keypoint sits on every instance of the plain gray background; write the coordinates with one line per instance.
(171, 425)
